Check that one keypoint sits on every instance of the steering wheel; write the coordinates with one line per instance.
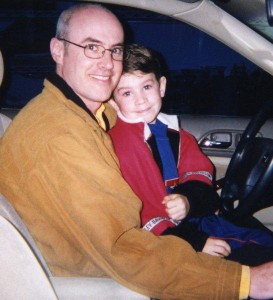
(248, 184)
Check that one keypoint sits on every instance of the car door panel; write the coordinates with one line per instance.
(216, 135)
(208, 130)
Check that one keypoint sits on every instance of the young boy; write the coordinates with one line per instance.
(167, 170)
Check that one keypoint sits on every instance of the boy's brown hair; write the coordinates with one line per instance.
(140, 58)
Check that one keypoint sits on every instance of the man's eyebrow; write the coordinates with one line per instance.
(96, 41)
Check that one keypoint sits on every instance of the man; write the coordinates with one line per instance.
(59, 170)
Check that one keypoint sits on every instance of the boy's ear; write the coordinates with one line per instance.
(162, 85)
(57, 50)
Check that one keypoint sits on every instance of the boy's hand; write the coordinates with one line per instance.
(177, 206)
(216, 247)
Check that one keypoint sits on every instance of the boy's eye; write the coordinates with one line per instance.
(147, 87)
(126, 94)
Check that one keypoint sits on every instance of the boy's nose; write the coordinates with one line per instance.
(141, 99)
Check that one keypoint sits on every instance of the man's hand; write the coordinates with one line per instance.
(261, 281)
(216, 247)
(177, 206)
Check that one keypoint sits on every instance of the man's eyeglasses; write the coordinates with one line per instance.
(97, 51)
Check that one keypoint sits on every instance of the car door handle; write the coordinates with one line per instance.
(217, 139)
(215, 144)
(222, 139)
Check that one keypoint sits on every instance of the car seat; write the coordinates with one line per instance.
(24, 273)
(4, 120)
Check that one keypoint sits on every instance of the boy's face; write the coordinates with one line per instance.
(139, 95)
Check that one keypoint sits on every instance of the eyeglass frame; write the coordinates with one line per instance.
(99, 52)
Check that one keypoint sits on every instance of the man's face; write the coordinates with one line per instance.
(93, 80)
(138, 96)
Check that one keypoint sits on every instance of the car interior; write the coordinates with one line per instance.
(243, 26)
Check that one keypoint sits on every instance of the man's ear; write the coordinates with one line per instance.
(57, 50)
(162, 85)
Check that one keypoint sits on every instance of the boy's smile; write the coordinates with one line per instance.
(139, 95)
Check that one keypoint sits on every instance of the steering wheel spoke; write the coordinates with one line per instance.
(248, 184)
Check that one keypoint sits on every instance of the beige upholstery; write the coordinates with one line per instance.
(21, 276)
(4, 120)
(25, 275)
(4, 123)
(8, 212)
(92, 288)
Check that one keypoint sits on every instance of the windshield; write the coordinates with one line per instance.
(204, 76)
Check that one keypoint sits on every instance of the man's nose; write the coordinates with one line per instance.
(106, 60)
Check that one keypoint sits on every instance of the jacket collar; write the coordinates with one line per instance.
(56, 80)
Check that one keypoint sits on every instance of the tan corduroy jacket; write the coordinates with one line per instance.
(58, 168)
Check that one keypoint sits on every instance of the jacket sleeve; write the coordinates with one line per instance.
(203, 198)
(193, 163)
(189, 233)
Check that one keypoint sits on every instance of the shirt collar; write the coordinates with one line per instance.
(99, 116)
(170, 120)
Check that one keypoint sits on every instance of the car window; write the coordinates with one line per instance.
(204, 76)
